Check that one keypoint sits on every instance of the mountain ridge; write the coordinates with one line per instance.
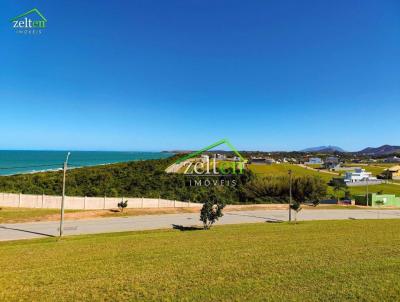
(327, 149)
(382, 150)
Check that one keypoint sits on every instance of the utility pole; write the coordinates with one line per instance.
(290, 195)
(63, 195)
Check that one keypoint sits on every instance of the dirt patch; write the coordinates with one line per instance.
(93, 214)
(156, 211)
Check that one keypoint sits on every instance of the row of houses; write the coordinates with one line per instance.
(206, 158)
(393, 159)
(330, 162)
(270, 161)
(361, 175)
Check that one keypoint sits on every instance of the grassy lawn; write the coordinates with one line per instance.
(310, 261)
(385, 188)
(282, 169)
(314, 166)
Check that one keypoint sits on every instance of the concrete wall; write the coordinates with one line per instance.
(364, 183)
(373, 199)
(89, 203)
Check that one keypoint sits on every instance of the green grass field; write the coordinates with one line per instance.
(314, 166)
(310, 261)
(282, 169)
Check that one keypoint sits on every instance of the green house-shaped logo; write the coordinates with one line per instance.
(216, 144)
(32, 19)
(197, 163)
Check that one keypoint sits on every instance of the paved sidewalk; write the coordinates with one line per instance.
(30, 230)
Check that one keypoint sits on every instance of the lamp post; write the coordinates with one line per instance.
(63, 195)
(290, 195)
(387, 175)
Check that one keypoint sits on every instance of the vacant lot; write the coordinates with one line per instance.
(310, 261)
(282, 169)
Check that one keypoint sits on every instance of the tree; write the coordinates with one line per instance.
(122, 205)
(347, 194)
(296, 207)
(211, 212)
(338, 186)
(276, 189)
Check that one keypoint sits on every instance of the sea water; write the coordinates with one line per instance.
(16, 162)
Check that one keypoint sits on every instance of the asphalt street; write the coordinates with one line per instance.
(17, 231)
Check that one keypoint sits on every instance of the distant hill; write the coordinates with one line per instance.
(382, 150)
(324, 149)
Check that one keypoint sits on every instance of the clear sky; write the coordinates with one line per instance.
(156, 75)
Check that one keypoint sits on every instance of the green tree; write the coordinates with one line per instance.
(296, 207)
(211, 212)
(276, 189)
(338, 186)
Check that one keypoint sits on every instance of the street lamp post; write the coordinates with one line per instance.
(290, 195)
(63, 195)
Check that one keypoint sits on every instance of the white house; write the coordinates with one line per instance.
(314, 161)
(393, 159)
(205, 158)
(359, 175)
(270, 161)
(221, 156)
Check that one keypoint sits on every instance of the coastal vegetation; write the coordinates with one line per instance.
(329, 261)
(149, 179)
(276, 189)
(131, 179)
(258, 183)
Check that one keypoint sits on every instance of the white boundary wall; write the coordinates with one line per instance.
(88, 203)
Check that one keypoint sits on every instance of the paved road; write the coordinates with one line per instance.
(104, 225)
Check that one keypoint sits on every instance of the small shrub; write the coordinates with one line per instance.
(122, 205)
(211, 212)
(316, 202)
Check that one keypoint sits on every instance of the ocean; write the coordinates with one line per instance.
(17, 162)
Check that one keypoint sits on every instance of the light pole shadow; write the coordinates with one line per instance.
(26, 231)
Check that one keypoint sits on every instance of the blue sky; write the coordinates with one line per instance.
(156, 75)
